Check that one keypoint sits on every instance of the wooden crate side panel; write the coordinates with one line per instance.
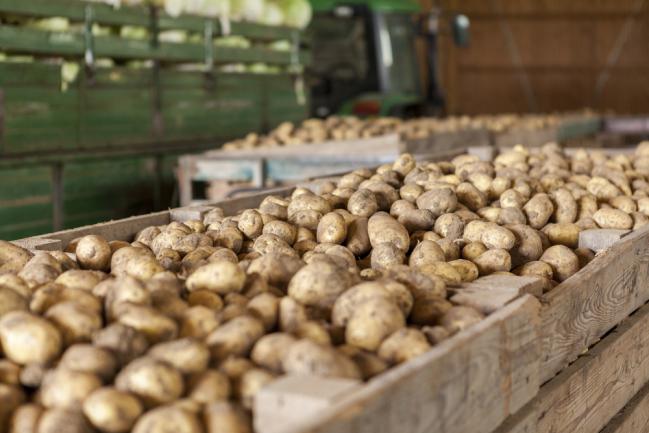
(579, 311)
(587, 395)
(634, 418)
(30, 74)
(25, 202)
(469, 383)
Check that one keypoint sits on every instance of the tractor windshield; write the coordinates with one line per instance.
(397, 36)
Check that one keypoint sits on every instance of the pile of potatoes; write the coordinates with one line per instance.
(337, 128)
(179, 328)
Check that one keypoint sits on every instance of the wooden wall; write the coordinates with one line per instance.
(546, 55)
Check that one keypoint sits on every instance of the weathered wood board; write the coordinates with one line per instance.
(589, 393)
(578, 312)
(634, 417)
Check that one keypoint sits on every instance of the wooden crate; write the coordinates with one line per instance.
(519, 370)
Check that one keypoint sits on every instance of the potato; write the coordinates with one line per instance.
(67, 388)
(12, 257)
(61, 420)
(153, 382)
(168, 419)
(426, 252)
(225, 417)
(358, 240)
(112, 411)
(403, 345)
(535, 269)
(443, 270)
(318, 284)
(93, 252)
(11, 301)
(220, 277)
(613, 219)
(468, 270)
(438, 201)
(270, 243)
(76, 323)
(277, 270)
(265, 307)
(497, 237)
(459, 318)
(451, 249)
(472, 250)
(428, 308)
(308, 201)
(305, 357)
(250, 223)
(235, 337)
(123, 341)
(511, 198)
(15, 283)
(435, 334)
(283, 230)
(250, 383)
(474, 230)
(332, 229)
(602, 188)
(372, 321)
(80, 279)
(209, 386)
(493, 261)
(307, 218)
(563, 234)
(385, 194)
(87, 358)
(450, 226)
(228, 237)
(185, 355)
(381, 228)
(538, 210)
(154, 325)
(470, 196)
(529, 244)
(25, 418)
(27, 338)
(410, 192)
(11, 397)
(584, 255)
(385, 255)
(270, 348)
(563, 260)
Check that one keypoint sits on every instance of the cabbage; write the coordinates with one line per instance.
(174, 7)
(217, 8)
(273, 15)
(233, 41)
(134, 32)
(173, 36)
(297, 13)
(248, 10)
(69, 73)
(54, 24)
(281, 45)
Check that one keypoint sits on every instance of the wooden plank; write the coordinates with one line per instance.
(490, 293)
(469, 383)
(292, 398)
(600, 239)
(586, 396)
(583, 308)
(634, 418)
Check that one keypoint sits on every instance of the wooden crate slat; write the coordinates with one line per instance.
(586, 396)
(582, 309)
(634, 418)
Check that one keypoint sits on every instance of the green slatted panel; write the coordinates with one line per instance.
(230, 108)
(25, 202)
(116, 108)
(282, 102)
(39, 119)
(102, 190)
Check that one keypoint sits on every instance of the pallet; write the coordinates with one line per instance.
(500, 371)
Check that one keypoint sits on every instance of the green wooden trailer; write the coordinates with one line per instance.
(104, 144)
